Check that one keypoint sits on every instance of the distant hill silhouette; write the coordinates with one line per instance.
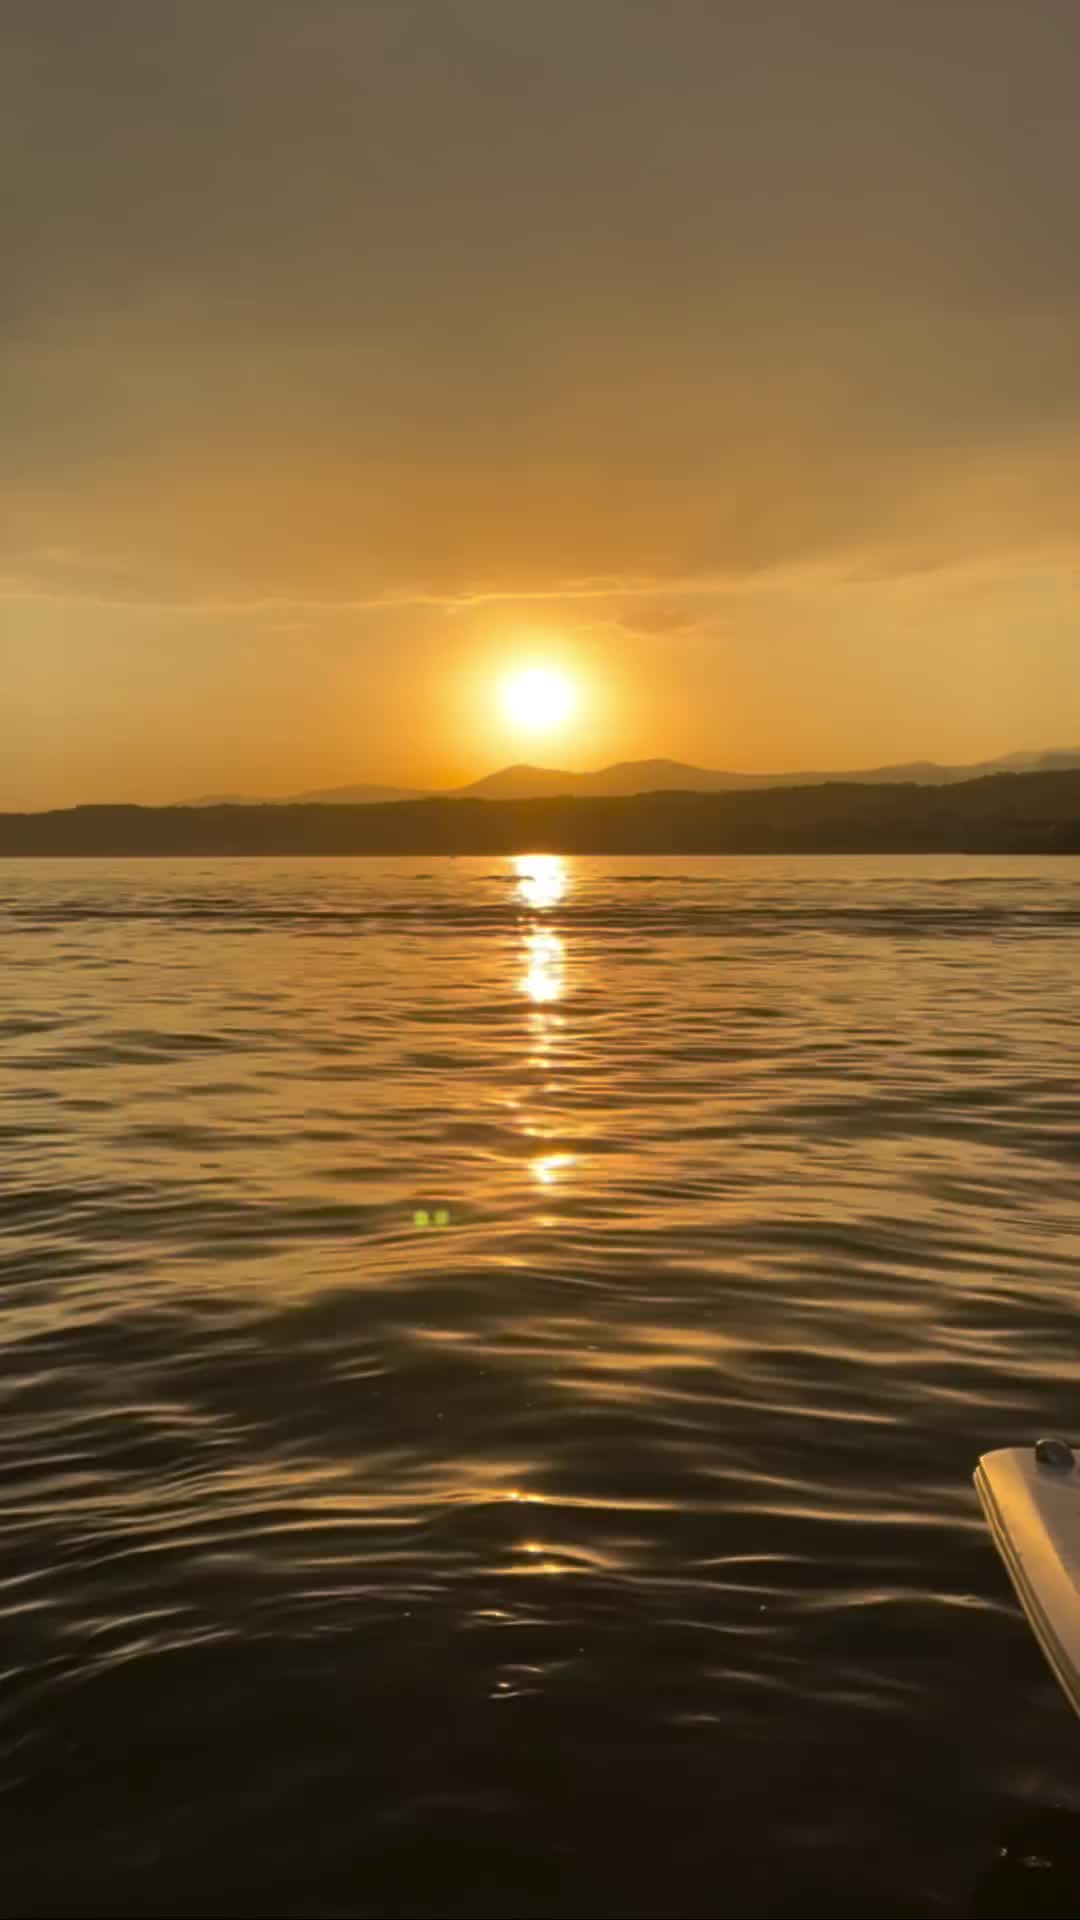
(651, 776)
(322, 797)
(1000, 813)
(668, 776)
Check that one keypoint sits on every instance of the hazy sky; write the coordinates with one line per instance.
(724, 351)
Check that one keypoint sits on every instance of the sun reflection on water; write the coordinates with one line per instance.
(542, 882)
(548, 1169)
(542, 878)
(545, 970)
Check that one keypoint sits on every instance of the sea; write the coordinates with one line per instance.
(493, 1354)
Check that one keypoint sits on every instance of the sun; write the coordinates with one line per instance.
(538, 699)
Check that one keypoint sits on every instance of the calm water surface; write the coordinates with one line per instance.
(493, 1355)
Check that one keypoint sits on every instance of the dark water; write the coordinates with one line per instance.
(608, 1548)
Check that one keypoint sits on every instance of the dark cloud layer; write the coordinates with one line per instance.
(326, 298)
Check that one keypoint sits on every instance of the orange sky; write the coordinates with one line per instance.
(726, 354)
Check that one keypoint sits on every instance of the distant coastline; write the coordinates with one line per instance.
(1036, 813)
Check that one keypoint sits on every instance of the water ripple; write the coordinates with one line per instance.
(496, 1351)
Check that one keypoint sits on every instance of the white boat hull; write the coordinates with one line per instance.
(1033, 1511)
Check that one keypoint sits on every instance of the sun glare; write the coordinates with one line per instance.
(538, 699)
(541, 878)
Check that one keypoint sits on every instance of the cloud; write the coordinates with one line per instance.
(437, 303)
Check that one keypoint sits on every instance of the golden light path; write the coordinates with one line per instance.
(542, 881)
(544, 979)
(549, 1166)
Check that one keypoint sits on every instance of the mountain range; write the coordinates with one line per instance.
(654, 776)
(323, 797)
(1013, 812)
